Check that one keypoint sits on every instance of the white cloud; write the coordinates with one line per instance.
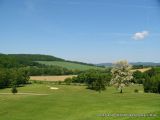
(140, 35)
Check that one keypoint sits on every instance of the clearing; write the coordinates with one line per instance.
(51, 78)
(141, 70)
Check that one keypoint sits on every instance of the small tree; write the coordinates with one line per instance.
(121, 74)
(68, 81)
(14, 89)
(100, 84)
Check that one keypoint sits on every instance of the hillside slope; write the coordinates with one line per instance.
(41, 61)
(70, 65)
(36, 57)
(24, 60)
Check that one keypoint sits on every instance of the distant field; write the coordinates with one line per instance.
(69, 65)
(141, 70)
(51, 78)
(157, 69)
(77, 103)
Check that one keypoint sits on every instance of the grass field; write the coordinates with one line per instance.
(76, 103)
(69, 65)
(51, 78)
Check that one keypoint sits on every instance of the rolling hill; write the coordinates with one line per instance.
(132, 63)
(70, 65)
(25, 60)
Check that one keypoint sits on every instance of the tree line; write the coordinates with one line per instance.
(16, 71)
(120, 75)
(94, 79)
(13, 77)
(29, 63)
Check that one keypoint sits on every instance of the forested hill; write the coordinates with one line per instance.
(23, 60)
(35, 57)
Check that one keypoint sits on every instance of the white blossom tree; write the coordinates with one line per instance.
(121, 74)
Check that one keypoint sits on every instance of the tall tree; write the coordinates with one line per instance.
(121, 74)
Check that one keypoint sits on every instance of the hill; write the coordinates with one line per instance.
(42, 62)
(35, 57)
(70, 65)
(23, 60)
(132, 63)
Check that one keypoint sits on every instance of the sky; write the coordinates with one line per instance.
(92, 31)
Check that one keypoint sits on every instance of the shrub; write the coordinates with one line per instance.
(136, 90)
(68, 81)
(99, 84)
(14, 89)
(59, 82)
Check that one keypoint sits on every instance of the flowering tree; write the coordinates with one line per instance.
(121, 74)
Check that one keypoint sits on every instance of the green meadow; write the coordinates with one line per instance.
(69, 65)
(76, 103)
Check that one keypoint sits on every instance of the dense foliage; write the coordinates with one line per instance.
(138, 77)
(150, 79)
(152, 84)
(94, 79)
(48, 70)
(35, 57)
(9, 61)
(9, 77)
(15, 69)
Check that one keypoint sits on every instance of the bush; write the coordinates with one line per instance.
(136, 90)
(59, 82)
(14, 89)
(99, 84)
(68, 81)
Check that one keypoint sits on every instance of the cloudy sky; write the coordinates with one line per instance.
(93, 31)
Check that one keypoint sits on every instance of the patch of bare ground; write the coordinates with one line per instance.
(51, 78)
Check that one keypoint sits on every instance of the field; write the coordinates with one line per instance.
(76, 103)
(142, 70)
(157, 69)
(69, 65)
(51, 78)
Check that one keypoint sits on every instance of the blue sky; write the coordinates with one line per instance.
(92, 31)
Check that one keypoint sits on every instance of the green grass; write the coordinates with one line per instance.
(69, 65)
(77, 103)
(157, 69)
